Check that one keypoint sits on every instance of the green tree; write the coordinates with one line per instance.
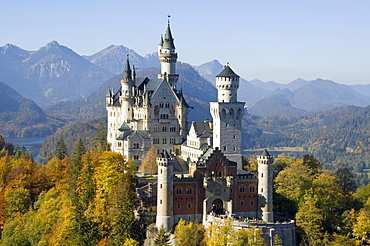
(162, 238)
(61, 151)
(74, 168)
(346, 180)
(101, 142)
(121, 212)
(294, 180)
(86, 186)
(362, 194)
(18, 200)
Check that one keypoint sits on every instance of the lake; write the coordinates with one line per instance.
(32, 144)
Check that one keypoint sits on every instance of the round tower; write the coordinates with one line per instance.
(126, 93)
(265, 185)
(168, 57)
(227, 84)
(164, 191)
(227, 114)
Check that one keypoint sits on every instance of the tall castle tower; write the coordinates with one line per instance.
(227, 116)
(126, 99)
(164, 192)
(265, 185)
(168, 58)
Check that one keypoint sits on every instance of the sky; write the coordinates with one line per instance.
(268, 40)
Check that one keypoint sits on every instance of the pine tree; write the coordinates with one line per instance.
(61, 150)
(121, 213)
(101, 142)
(162, 238)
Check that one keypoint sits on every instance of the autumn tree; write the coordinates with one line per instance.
(131, 242)
(184, 229)
(223, 233)
(309, 217)
(277, 240)
(251, 164)
(149, 164)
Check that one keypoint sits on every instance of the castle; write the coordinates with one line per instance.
(199, 166)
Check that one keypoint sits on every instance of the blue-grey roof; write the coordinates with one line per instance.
(153, 84)
(265, 153)
(144, 134)
(127, 71)
(168, 40)
(124, 127)
(140, 80)
(123, 135)
(227, 72)
(161, 41)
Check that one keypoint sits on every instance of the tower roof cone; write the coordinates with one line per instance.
(127, 71)
(227, 72)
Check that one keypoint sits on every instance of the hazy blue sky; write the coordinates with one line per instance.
(267, 40)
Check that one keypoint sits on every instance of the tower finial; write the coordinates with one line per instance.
(168, 19)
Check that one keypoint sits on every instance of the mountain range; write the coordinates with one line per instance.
(69, 86)
(22, 117)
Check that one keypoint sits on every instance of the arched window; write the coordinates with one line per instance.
(189, 190)
(251, 188)
(242, 189)
(241, 203)
(178, 191)
(223, 113)
(231, 113)
(189, 205)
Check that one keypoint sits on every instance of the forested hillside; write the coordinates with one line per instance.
(86, 199)
(22, 117)
(337, 138)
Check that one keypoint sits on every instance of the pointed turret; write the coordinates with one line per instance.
(127, 70)
(168, 57)
(109, 93)
(168, 39)
(109, 97)
(127, 88)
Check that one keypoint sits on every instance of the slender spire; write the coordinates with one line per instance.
(109, 93)
(127, 71)
(168, 39)
(161, 41)
(168, 19)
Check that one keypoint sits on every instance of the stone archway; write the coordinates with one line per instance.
(218, 206)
